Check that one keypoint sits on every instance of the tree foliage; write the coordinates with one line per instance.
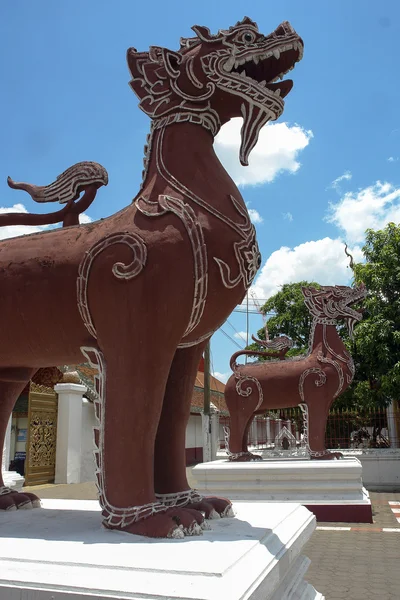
(376, 344)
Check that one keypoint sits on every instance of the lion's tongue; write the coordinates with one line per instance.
(253, 119)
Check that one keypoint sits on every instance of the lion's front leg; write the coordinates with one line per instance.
(128, 409)
(171, 484)
(316, 417)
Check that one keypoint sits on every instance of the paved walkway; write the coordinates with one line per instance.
(349, 561)
(360, 564)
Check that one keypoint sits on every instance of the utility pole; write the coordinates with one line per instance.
(206, 417)
(207, 392)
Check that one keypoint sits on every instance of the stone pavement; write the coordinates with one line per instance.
(360, 564)
(349, 561)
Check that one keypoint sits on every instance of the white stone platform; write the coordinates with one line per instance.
(332, 489)
(13, 480)
(61, 552)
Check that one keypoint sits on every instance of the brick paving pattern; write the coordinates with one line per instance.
(360, 564)
(356, 562)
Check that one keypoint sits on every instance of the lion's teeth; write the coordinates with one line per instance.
(256, 59)
(277, 53)
(263, 83)
(277, 92)
(230, 63)
(281, 76)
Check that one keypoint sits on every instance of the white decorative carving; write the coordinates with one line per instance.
(247, 253)
(191, 74)
(121, 271)
(187, 215)
(180, 498)
(205, 117)
(5, 490)
(318, 382)
(249, 390)
(198, 341)
(325, 359)
(69, 184)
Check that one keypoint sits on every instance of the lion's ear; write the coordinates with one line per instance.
(204, 34)
(171, 61)
(135, 62)
(149, 74)
(305, 291)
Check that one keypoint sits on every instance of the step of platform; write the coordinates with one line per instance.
(332, 490)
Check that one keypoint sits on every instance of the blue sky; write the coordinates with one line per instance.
(65, 98)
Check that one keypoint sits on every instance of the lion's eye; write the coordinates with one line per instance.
(248, 37)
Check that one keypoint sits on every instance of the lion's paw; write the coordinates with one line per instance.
(174, 523)
(213, 507)
(19, 501)
(328, 456)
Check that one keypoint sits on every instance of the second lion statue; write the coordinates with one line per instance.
(140, 293)
(312, 382)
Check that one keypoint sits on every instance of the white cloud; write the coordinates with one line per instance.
(372, 207)
(336, 182)
(16, 230)
(222, 376)
(393, 158)
(276, 151)
(84, 218)
(241, 335)
(288, 216)
(255, 216)
(323, 261)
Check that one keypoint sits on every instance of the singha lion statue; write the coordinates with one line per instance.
(312, 382)
(140, 293)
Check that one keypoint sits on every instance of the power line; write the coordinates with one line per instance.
(230, 338)
(234, 329)
(252, 312)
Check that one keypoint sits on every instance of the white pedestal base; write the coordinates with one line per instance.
(13, 480)
(331, 489)
(62, 553)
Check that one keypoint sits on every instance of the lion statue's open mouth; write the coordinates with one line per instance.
(253, 67)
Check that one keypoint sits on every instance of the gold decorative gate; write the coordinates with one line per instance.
(40, 463)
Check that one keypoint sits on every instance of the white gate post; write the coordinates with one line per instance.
(214, 435)
(69, 432)
(269, 435)
(5, 459)
(206, 427)
(391, 421)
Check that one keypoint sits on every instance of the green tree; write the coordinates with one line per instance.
(376, 344)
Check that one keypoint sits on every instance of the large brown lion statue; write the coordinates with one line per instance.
(140, 293)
